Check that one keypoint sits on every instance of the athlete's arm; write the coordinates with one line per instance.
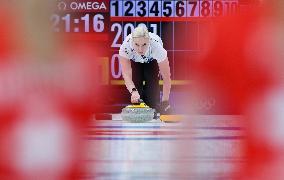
(164, 68)
(127, 73)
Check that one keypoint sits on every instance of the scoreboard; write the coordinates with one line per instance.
(104, 24)
(156, 9)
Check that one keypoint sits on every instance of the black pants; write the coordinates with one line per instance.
(150, 91)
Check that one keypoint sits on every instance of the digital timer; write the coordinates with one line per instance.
(90, 23)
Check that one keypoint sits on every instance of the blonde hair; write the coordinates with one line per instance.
(140, 31)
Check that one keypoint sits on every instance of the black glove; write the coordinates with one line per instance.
(165, 107)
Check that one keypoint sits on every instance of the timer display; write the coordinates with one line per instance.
(91, 23)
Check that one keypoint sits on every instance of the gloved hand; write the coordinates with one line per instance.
(165, 107)
(135, 96)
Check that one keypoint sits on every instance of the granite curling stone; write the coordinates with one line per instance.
(137, 113)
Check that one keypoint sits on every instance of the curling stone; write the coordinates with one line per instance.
(137, 113)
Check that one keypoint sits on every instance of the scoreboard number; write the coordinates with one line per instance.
(115, 10)
(154, 9)
(180, 8)
(205, 8)
(141, 9)
(115, 72)
(231, 7)
(173, 8)
(116, 27)
(129, 9)
(127, 29)
(218, 8)
(154, 28)
(168, 8)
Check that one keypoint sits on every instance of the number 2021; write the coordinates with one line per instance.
(125, 30)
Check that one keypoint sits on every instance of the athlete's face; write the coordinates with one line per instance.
(141, 45)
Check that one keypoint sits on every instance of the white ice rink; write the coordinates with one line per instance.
(199, 147)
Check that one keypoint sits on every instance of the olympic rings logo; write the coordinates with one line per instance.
(205, 103)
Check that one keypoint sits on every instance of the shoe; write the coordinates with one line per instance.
(156, 115)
